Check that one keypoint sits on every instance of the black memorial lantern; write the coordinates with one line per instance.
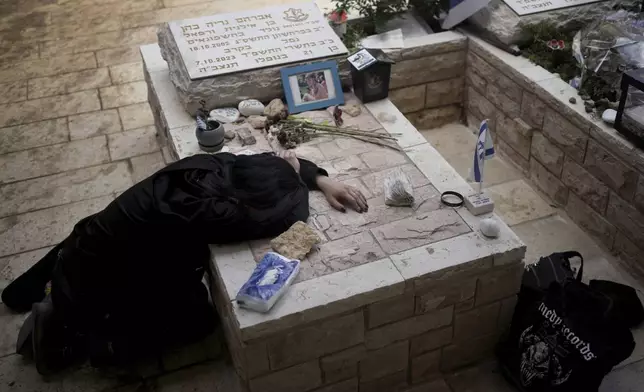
(630, 113)
(370, 72)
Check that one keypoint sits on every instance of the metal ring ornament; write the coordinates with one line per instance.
(448, 203)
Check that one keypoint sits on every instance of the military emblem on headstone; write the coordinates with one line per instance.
(295, 15)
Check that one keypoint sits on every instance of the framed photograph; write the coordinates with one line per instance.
(312, 86)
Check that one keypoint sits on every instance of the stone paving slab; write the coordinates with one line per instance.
(54, 65)
(484, 378)
(628, 379)
(67, 187)
(144, 166)
(9, 327)
(131, 143)
(123, 94)
(50, 107)
(518, 203)
(136, 116)
(455, 142)
(116, 56)
(24, 137)
(86, 125)
(106, 40)
(554, 234)
(21, 375)
(126, 73)
(13, 92)
(69, 83)
(16, 265)
(17, 232)
(43, 161)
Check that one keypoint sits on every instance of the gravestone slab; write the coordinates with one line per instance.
(225, 58)
(527, 7)
(504, 19)
(239, 41)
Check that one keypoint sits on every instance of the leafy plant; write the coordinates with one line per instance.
(342, 5)
(376, 12)
(551, 48)
(353, 36)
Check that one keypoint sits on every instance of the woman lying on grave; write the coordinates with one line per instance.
(127, 281)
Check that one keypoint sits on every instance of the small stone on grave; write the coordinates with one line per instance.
(609, 116)
(295, 242)
(352, 110)
(257, 122)
(246, 137)
(251, 107)
(276, 110)
(224, 115)
(229, 135)
(490, 227)
(572, 100)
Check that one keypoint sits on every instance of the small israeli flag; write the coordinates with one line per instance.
(484, 150)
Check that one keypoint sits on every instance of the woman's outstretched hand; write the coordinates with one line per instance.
(340, 195)
(290, 157)
(337, 194)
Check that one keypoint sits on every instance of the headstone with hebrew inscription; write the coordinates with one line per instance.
(504, 19)
(225, 58)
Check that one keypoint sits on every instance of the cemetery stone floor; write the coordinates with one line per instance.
(76, 130)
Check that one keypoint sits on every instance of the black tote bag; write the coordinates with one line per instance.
(563, 338)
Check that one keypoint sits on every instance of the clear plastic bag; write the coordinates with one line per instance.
(398, 190)
(606, 49)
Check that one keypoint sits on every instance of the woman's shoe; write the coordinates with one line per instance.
(52, 348)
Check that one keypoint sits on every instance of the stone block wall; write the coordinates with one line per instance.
(584, 166)
(428, 78)
(436, 324)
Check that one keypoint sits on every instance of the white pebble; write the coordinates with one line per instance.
(609, 116)
(251, 107)
(225, 115)
(490, 227)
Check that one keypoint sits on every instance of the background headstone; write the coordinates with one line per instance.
(527, 7)
(500, 21)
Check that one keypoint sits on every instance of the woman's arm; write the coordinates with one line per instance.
(337, 194)
(340, 195)
(310, 172)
